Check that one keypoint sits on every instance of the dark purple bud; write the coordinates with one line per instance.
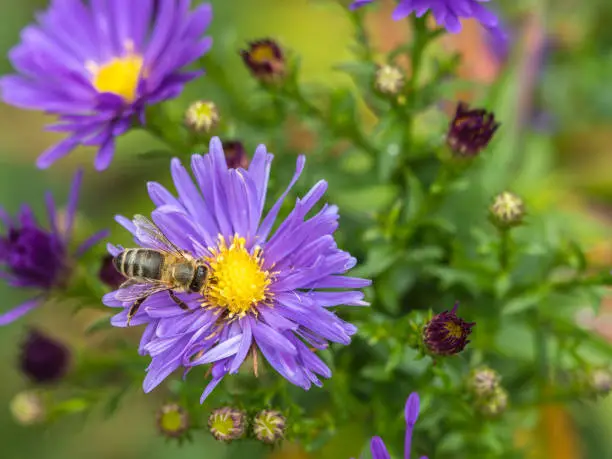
(43, 359)
(265, 60)
(446, 333)
(470, 131)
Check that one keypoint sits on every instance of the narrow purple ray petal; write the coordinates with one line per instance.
(19, 311)
(91, 241)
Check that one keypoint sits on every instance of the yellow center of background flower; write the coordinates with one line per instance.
(454, 330)
(172, 421)
(119, 75)
(237, 281)
(263, 53)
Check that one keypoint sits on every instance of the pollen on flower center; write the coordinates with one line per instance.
(237, 281)
(120, 75)
(454, 330)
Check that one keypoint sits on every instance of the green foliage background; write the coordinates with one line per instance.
(540, 166)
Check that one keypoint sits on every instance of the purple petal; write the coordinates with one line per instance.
(19, 311)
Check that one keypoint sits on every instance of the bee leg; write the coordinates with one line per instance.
(134, 309)
(178, 301)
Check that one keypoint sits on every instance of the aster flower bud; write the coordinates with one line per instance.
(507, 210)
(28, 408)
(483, 382)
(235, 154)
(470, 131)
(172, 420)
(109, 275)
(493, 405)
(265, 60)
(269, 426)
(227, 424)
(389, 79)
(446, 333)
(201, 116)
(43, 359)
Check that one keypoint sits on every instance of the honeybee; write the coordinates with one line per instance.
(162, 268)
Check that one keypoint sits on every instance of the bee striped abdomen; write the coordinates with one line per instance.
(142, 263)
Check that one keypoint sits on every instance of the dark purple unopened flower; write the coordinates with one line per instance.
(43, 359)
(97, 65)
(37, 258)
(447, 333)
(411, 414)
(266, 291)
(446, 12)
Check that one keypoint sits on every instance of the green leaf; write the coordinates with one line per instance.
(379, 259)
(362, 200)
(523, 303)
(416, 196)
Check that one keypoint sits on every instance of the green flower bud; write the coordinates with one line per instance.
(28, 408)
(172, 420)
(507, 210)
(269, 426)
(483, 382)
(201, 116)
(389, 79)
(227, 424)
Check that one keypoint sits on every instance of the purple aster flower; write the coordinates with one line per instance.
(411, 413)
(97, 65)
(446, 12)
(266, 291)
(38, 258)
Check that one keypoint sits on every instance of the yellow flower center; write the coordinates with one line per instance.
(454, 330)
(172, 421)
(120, 75)
(237, 280)
(263, 53)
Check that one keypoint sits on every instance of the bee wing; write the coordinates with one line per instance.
(133, 292)
(148, 231)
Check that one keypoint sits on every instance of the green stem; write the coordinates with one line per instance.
(504, 249)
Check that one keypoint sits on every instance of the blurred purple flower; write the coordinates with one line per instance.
(264, 288)
(411, 414)
(446, 12)
(37, 258)
(97, 66)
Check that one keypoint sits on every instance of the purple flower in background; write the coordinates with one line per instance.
(411, 413)
(446, 12)
(266, 291)
(97, 66)
(38, 258)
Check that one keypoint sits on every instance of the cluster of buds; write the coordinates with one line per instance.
(228, 424)
(446, 333)
(484, 384)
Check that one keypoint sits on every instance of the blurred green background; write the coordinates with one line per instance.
(572, 89)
